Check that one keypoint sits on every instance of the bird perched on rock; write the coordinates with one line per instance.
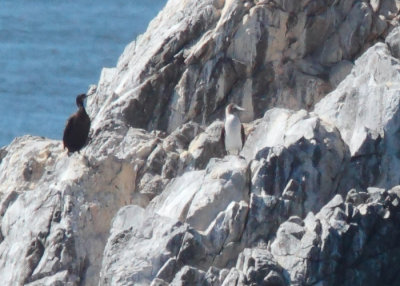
(77, 128)
(233, 132)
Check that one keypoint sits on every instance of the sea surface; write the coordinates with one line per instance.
(50, 51)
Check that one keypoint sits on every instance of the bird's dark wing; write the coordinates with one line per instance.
(84, 123)
(243, 135)
(67, 130)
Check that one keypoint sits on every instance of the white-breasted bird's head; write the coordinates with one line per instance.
(233, 108)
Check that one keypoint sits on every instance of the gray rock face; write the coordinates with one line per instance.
(365, 109)
(393, 42)
(144, 245)
(295, 155)
(52, 229)
(197, 55)
(313, 197)
(340, 242)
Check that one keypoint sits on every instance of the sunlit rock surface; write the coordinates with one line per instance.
(313, 198)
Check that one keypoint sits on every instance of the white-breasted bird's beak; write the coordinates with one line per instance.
(237, 107)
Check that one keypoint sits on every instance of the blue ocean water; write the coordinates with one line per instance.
(50, 51)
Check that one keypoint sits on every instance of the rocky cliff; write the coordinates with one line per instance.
(313, 198)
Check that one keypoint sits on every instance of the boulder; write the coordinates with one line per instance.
(295, 155)
(365, 110)
(198, 196)
(346, 242)
(139, 248)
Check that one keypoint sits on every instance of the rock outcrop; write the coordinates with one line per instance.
(152, 199)
(199, 55)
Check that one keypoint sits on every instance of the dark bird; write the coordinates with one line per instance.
(77, 128)
(233, 135)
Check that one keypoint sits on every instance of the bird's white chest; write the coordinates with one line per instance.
(233, 134)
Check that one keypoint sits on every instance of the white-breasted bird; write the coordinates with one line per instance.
(233, 132)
